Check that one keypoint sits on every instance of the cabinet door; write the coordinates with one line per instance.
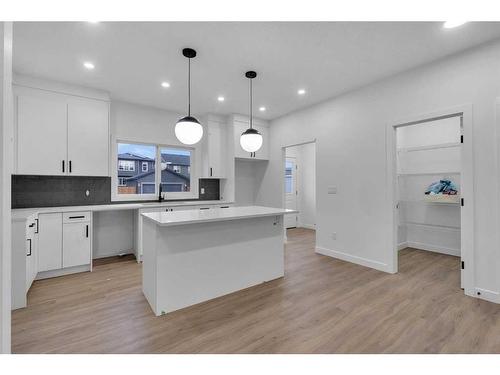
(215, 149)
(49, 242)
(263, 152)
(88, 137)
(239, 128)
(30, 255)
(76, 244)
(41, 135)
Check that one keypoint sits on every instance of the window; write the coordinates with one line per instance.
(130, 181)
(288, 177)
(175, 169)
(126, 165)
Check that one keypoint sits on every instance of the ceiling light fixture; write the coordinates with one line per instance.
(251, 139)
(453, 24)
(88, 65)
(262, 109)
(221, 99)
(188, 129)
(165, 85)
(301, 92)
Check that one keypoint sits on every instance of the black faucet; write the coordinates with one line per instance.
(160, 198)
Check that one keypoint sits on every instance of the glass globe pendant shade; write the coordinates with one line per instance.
(251, 140)
(188, 130)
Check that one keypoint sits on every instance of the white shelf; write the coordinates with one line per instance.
(430, 147)
(431, 202)
(428, 174)
(445, 227)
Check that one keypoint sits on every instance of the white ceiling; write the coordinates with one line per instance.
(325, 58)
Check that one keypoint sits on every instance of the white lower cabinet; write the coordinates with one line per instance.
(24, 259)
(76, 244)
(50, 242)
(64, 242)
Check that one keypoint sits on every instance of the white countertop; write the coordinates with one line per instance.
(22, 213)
(218, 214)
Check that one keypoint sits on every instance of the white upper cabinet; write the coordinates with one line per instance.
(216, 152)
(41, 135)
(239, 128)
(88, 141)
(61, 134)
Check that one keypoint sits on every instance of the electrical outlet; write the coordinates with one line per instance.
(202, 190)
(334, 235)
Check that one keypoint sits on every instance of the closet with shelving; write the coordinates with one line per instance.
(429, 171)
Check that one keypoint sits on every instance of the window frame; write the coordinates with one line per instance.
(193, 194)
(144, 163)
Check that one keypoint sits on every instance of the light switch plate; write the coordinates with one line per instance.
(332, 190)
(202, 190)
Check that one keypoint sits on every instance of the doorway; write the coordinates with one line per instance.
(432, 191)
(299, 185)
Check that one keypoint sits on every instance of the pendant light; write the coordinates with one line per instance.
(251, 139)
(188, 130)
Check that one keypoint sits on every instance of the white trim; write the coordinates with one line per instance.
(402, 245)
(434, 248)
(467, 186)
(59, 87)
(354, 259)
(487, 295)
(63, 271)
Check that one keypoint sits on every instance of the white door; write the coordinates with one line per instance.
(291, 191)
(76, 244)
(41, 135)
(88, 137)
(49, 242)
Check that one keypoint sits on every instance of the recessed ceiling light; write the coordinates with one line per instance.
(262, 109)
(165, 85)
(220, 99)
(452, 24)
(301, 92)
(88, 65)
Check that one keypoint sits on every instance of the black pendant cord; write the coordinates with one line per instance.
(189, 87)
(251, 92)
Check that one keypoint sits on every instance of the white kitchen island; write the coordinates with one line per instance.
(195, 255)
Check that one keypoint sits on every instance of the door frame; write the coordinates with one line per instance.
(295, 187)
(466, 182)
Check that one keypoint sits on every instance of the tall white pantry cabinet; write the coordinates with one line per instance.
(59, 134)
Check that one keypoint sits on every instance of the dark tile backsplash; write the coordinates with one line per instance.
(212, 189)
(51, 191)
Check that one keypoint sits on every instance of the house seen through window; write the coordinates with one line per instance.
(138, 169)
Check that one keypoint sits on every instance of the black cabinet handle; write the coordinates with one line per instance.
(211, 172)
(87, 231)
(29, 254)
(224, 206)
(63, 166)
(70, 166)
(77, 217)
(37, 228)
(204, 208)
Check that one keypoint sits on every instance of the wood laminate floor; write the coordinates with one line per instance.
(322, 305)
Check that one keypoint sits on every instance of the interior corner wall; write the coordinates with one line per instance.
(351, 154)
(6, 161)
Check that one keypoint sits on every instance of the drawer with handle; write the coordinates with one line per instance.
(75, 217)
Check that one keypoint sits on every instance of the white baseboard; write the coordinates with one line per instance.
(62, 272)
(487, 295)
(355, 259)
(402, 245)
(434, 248)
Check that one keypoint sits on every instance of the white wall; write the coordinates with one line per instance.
(6, 158)
(351, 154)
(305, 156)
(113, 233)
